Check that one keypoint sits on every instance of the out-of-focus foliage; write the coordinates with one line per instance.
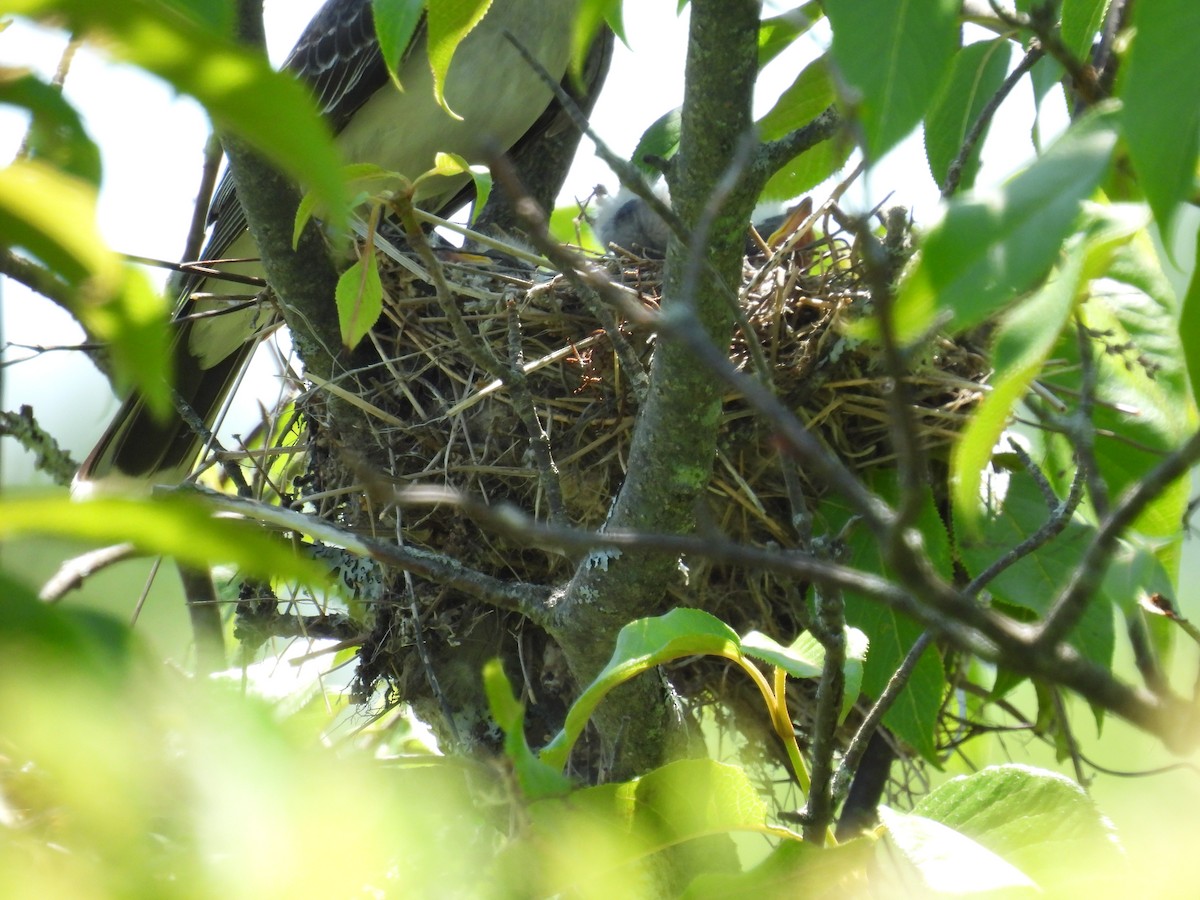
(121, 776)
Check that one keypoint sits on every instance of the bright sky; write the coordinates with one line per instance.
(152, 142)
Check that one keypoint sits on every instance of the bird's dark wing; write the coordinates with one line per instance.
(338, 57)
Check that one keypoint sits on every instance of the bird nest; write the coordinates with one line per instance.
(444, 418)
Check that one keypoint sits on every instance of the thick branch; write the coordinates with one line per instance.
(674, 445)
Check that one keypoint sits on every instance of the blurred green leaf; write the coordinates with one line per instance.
(690, 798)
(56, 135)
(52, 216)
(537, 779)
(241, 92)
(795, 869)
(1040, 821)
(992, 247)
(1081, 21)
(929, 857)
(894, 56)
(976, 74)
(178, 526)
(1160, 90)
(1189, 326)
(777, 33)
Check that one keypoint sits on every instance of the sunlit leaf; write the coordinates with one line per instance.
(993, 246)
(928, 856)
(56, 134)
(537, 779)
(893, 55)
(395, 26)
(359, 300)
(1040, 821)
(1023, 341)
(448, 24)
(642, 645)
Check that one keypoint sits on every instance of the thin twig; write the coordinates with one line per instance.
(1069, 606)
(1060, 516)
(984, 119)
(858, 745)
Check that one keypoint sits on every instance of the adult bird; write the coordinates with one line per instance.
(502, 102)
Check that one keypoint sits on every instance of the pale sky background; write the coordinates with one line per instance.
(152, 140)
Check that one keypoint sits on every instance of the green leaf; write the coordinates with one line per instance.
(1080, 22)
(602, 841)
(808, 170)
(179, 526)
(1027, 334)
(991, 247)
(1032, 583)
(1189, 326)
(913, 717)
(1160, 120)
(1040, 821)
(777, 33)
(217, 15)
(660, 141)
(795, 869)
(805, 658)
(56, 134)
(395, 24)
(693, 798)
(1021, 345)
(805, 99)
(448, 23)
(52, 215)
(926, 856)
(976, 74)
(61, 635)
(642, 645)
(800, 660)
(893, 54)
(241, 92)
(1144, 406)
(359, 300)
(537, 779)
(592, 15)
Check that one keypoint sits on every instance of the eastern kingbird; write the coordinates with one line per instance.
(502, 102)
